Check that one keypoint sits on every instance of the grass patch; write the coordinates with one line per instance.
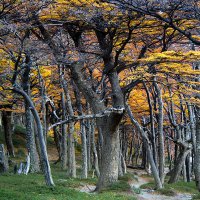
(166, 192)
(171, 189)
(149, 186)
(196, 197)
(32, 187)
(120, 186)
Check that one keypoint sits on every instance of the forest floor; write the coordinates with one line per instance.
(135, 185)
(143, 185)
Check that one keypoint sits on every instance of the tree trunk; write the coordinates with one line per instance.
(57, 139)
(108, 126)
(71, 152)
(44, 156)
(96, 164)
(30, 136)
(158, 183)
(3, 160)
(110, 153)
(161, 148)
(31, 144)
(188, 167)
(71, 149)
(88, 134)
(84, 140)
(84, 150)
(197, 154)
(153, 134)
(178, 165)
(64, 135)
(144, 156)
(169, 154)
(8, 131)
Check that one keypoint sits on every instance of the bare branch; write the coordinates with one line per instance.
(106, 112)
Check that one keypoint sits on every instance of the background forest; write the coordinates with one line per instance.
(104, 95)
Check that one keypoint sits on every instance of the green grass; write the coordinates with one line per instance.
(32, 187)
(196, 197)
(171, 189)
(122, 185)
(166, 192)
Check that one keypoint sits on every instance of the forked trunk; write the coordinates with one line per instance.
(178, 166)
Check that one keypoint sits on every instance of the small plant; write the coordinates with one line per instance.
(136, 190)
(166, 192)
(196, 197)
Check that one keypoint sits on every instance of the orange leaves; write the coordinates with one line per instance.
(15, 110)
(72, 10)
(172, 57)
(138, 102)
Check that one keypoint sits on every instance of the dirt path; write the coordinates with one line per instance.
(146, 194)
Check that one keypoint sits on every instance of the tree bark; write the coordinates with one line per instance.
(57, 139)
(158, 183)
(188, 167)
(108, 125)
(31, 144)
(3, 160)
(8, 131)
(71, 152)
(30, 137)
(197, 154)
(44, 156)
(70, 138)
(178, 165)
(96, 164)
(161, 148)
(88, 134)
(153, 134)
(71, 149)
(64, 135)
(84, 150)
(110, 153)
